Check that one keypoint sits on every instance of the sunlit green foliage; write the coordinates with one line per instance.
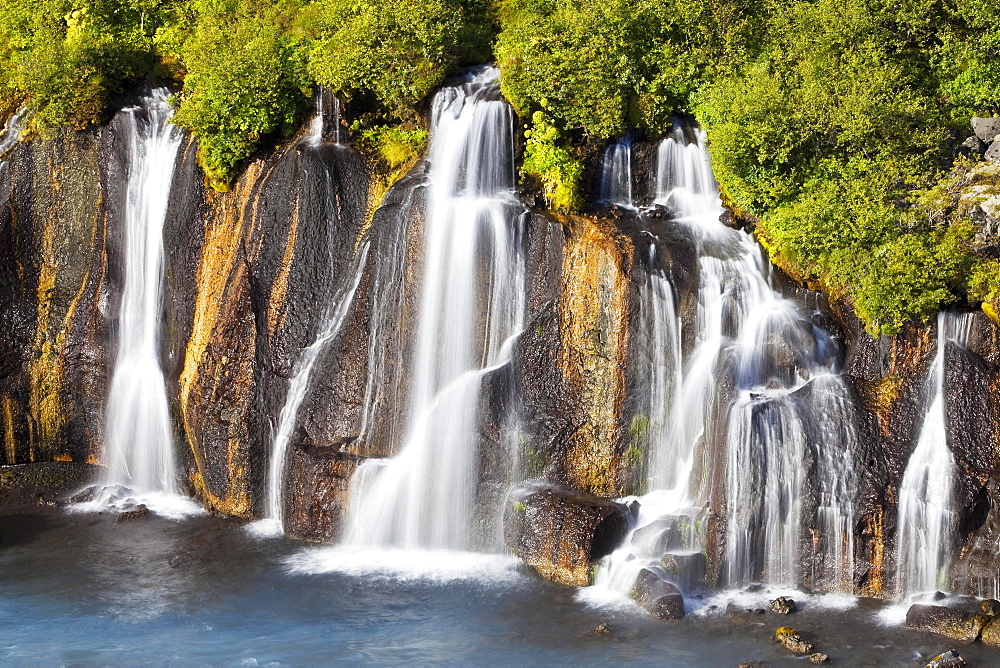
(245, 79)
(399, 51)
(65, 58)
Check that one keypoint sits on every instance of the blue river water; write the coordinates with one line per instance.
(81, 590)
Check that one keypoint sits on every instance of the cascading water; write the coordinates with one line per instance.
(325, 122)
(926, 503)
(471, 304)
(787, 407)
(139, 434)
(616, 174)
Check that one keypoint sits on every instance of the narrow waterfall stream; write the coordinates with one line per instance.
(616, 174)
(333, 320)
(787, 407)
(926, 498)
(139, 433)
(471, 304)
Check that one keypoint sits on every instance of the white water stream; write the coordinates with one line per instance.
(773, 425)
(471, 304)
(926, 497)
(139, 434)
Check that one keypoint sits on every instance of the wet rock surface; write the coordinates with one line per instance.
(783, 606)
(317, 494)
(22, 485)
(657, 595)
(561, 532)
(947, 622)
(949, 659)
(789, 638)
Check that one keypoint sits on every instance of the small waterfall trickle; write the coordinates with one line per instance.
(333, 321)
(325, 123)
(471, 305)
(926, 496)
(616, 174)
(139, 434)
(12, 131)
(784, 410)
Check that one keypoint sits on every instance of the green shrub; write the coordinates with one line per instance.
(549, 162)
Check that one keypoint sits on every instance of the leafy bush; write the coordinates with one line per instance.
(245, 80)
(548, 161)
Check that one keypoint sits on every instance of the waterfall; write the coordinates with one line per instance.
(926, 503)
(139, 434)
(333, 320)
(12, 131)
(471, 305)
(616, 174)
(785, 410)
(321, 127)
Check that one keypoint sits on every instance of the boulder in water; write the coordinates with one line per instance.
(818, 658)
(136, 513)
(560, 532)
(792, 641)
(659, 597)
(943, 621)
(990, 633)
(783, 605)
(686, 570)
(990, 606)
(949, 659)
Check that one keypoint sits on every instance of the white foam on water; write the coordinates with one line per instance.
(120, 499)
(892, 615)
(267, 528)
(435, 566)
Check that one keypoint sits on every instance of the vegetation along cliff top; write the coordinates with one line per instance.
(835, 126)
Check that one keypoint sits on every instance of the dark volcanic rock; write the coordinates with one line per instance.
(686, 570)
(944, 621)
(139, 512)
(783, 606)
(561, 532)
(658, 596)
(317, 492)
(22, 485)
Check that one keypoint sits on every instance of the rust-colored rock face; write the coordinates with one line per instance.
(54, 299)
(593, 330)
(560, 532)
(317, 497)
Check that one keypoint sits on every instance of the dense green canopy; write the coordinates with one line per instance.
(831, 122)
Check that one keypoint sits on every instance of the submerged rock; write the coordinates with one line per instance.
(818, 658)
(783, 606)
(753, 663)
(949, 659)
(600, 631)
(792, 641)
(944, 621)
(655, 594)
(560, 532)
(138, 512)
